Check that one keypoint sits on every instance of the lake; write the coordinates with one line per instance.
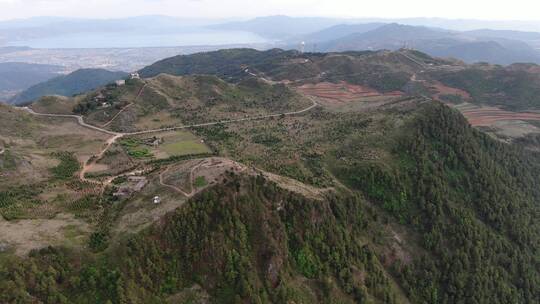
(133, 40)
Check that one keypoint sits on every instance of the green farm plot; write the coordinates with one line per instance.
(164, 145)
(185, 148)
(179, 143)
(135, 148)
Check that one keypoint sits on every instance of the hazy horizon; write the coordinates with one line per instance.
(217, 20)
(51, 32)
(518, 10)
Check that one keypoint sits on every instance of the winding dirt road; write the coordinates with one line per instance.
(80, 120)
(211, 162)
(162, 182)
(259, 117)
(116, 135)
(126, 107)
(87, 166)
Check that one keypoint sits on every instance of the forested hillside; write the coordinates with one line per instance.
(244, 241)
(226, 64)
(472, 200)
(515, 87)
(17, 76)
(447, 216)
(277, 177)
(77, 82)
(381, 70)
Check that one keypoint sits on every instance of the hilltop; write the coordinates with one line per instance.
(498, 99)
(387, 71)
(271, 177)
(166, 101)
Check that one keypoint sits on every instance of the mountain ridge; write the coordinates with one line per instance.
(441, 43)
(77, 82)
(371, 195)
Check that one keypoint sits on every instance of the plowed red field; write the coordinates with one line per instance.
(441, 89)
(342, 92)
(487, 116)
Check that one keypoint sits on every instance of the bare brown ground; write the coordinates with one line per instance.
(25, 235)
(210, 168)
(88, 165)
(342, 92)
(441, 89)
(176, 184)
(487, 116)
(213, 170)
(295, 186)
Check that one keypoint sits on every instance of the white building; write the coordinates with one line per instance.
(120, 82)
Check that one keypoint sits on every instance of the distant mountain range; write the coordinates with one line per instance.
(17, 76)
(336, 32)
(280, 27)
(326, 34)
(77, 82)
(501, 42)
(477, 46)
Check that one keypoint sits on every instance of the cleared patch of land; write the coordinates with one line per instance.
(32, 140)
(163, 145)
(342, 92)
(441, 90)
(54, 105)
(487, 116)
(505, 124)
(141, 212)
(179, 143)
(192, 176)
(25, 235)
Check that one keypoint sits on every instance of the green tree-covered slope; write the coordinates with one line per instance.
(448, 215)
(80, 81)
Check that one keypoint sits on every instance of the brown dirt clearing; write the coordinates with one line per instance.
(25, 235)
(341, 92)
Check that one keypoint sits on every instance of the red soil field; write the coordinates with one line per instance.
(441, 89)
(487, 116)
(342, 92)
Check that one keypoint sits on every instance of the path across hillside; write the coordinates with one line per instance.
(80, 120)
(116, 135)
(126, 107)
(315, 104)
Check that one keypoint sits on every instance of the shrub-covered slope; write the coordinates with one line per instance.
(167, 101)
(385, 71)
(447, 216)
(516, 87)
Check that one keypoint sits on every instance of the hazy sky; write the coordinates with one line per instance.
(470, 9)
